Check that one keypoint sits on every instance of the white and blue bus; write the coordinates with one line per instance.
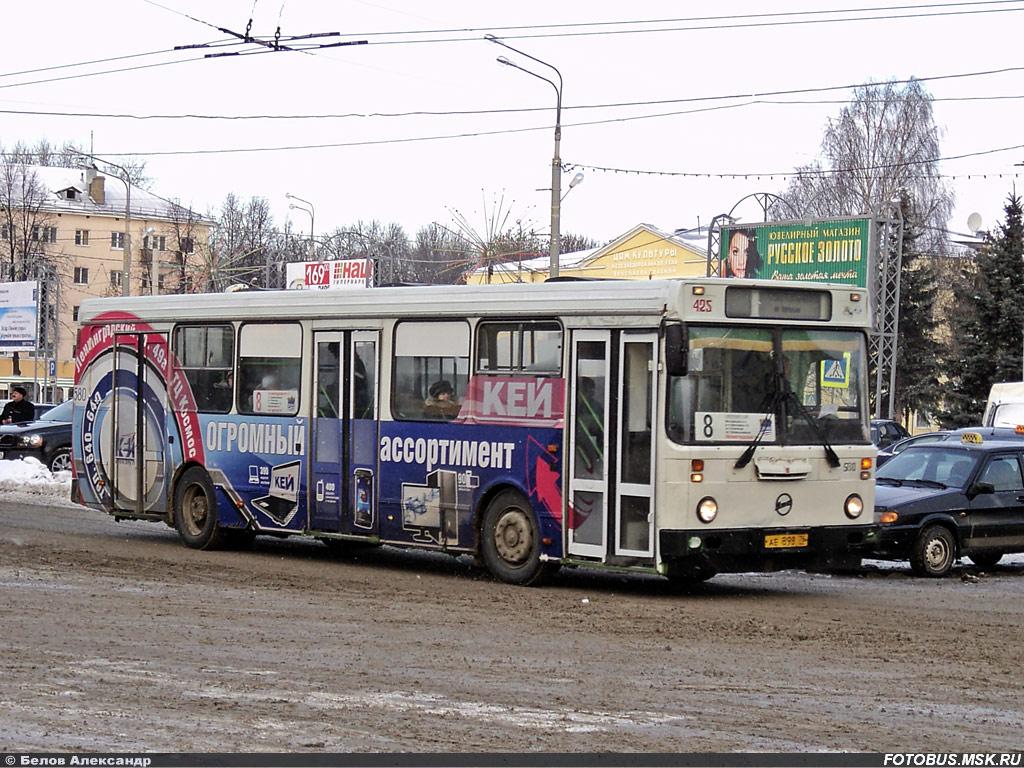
(683, 427)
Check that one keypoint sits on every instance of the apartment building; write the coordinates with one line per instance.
(79, 225)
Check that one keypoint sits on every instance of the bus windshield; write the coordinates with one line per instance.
(785, 385)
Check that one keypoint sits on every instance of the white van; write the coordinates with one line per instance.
(1005, 406)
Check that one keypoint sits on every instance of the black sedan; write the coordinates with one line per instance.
(48, 438)
(937, 502)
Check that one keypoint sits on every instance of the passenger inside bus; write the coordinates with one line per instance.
(441, 402)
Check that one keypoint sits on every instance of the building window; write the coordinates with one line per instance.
(5, 232)
(155, 242)
(74, 313)
(430, 369)
(117, 239)
(187, 246)
(116, 276)
(81, 275)
(81, 237)
(46, 234)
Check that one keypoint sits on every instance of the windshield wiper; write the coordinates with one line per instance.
(888, 481)
(830, 454)
(929, 483)
(770, 408)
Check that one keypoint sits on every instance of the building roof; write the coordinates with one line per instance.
(144, 205)
(582, 259)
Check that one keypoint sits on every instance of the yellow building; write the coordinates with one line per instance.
(642, 253)
(80, 227)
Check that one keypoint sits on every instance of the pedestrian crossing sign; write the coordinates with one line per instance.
(835, 374)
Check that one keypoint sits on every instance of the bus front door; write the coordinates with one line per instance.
(611, 484)
(343, 465)
(138, 415)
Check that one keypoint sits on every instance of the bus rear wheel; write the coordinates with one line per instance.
(195, 510)
(510, 542)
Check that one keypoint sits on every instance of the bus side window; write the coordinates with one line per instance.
(204, 353)
(426, 355)
(269, 368)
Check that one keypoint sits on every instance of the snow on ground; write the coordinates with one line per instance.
(29, 482)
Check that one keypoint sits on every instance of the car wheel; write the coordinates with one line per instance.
(934, 552)
(61, 460)
(195, 510)
(509, 541)
(986, 559)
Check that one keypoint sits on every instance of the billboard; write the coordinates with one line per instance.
(19, 314)
(343, 273)
(822, 250)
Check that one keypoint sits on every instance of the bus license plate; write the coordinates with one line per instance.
(785, 540)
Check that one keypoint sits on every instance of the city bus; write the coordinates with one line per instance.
(679, 427)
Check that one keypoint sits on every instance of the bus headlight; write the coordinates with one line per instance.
(707, 509)
(854, 506)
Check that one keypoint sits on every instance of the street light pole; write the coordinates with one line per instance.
(312, 218)
(126, 245)
(556, 162)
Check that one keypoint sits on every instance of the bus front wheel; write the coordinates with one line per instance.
(195, 510)
(509, 540)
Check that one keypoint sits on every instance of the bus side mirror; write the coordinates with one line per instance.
(676, 350)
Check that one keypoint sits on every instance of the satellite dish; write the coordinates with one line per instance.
(974, 222)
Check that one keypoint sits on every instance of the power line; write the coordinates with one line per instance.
(270, 46)
(785, 174)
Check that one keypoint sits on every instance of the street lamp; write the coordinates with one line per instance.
(577, 179)
(126, 245)
(556, 163)
(312, 218)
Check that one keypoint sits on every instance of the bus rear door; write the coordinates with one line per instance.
(139, 412)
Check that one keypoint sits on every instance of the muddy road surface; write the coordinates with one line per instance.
(113, 636)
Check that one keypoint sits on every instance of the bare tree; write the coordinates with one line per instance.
(25, 224)
(68, 155)
(882, 147)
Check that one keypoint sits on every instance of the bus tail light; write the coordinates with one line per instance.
(697, 471)
(707, 509)
(854, 506)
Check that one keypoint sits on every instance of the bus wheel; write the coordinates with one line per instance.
(195, 510)
(509, 542)
(934, 552)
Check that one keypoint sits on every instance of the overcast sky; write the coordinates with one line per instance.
(384, 175)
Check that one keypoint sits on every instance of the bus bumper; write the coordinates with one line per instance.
(767, 549)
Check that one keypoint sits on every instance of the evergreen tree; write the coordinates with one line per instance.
(918, 356)
(987, 327)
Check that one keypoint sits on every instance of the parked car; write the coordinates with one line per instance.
(48, 438)
(901, 445)
(885, 432)
(987, 433)
(41, 408)
(939, 501)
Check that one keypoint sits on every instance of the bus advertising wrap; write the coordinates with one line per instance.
(826, 250)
